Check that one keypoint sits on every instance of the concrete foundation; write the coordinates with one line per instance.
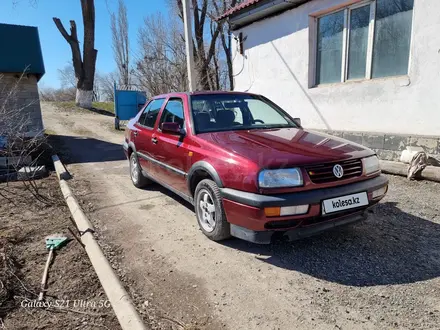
(390, 146)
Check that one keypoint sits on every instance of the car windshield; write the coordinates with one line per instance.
(228, 112)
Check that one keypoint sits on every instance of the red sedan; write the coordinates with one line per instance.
(249, 168)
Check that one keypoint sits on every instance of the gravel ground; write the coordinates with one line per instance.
(379, 274)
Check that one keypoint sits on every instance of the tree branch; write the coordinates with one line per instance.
(180, 6)
(72, 40)
(62, 30)
(73, 33)
(213, 44)
(203, 13)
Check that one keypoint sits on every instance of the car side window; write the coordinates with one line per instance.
(151, 112)
(173, 113)
(144, 113)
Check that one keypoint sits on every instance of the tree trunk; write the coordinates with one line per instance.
(84, 98)
(85, 66)
(227, 49)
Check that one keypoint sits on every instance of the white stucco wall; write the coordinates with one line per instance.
(276, 64)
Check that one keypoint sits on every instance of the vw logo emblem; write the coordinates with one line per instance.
(338, 171)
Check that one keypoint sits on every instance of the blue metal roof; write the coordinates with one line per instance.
(20, 49)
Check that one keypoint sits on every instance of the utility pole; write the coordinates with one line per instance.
(189, 45)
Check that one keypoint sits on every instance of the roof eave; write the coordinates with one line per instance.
(260, 11)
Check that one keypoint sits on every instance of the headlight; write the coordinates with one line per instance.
(289, 177)
(371, 164)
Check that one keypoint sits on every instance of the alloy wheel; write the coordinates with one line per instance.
(206, 210)
(134, 170)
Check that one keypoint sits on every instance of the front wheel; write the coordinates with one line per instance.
(138, 179)
(209, 211)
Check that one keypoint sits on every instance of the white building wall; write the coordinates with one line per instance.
(276, 64)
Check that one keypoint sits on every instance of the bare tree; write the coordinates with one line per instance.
(161, 67)
(97, 89)
(161, 64)
(222, 6)
(84, 66)
(106, 85)
(67, 91)
(210, 61)
(50, 94)
(47, 94)
(203, 51)
(119, 28)
(66, 76)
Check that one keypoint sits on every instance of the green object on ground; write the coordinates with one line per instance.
(53, 242)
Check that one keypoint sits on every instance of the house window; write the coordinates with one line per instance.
(367, 40)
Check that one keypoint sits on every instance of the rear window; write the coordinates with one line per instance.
(149, 116)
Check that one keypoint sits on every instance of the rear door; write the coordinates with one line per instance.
(144, 136)
(172, 151)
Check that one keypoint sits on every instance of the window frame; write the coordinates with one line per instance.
(145, 110)
(164, 107)
(146, 107)
(346, 43)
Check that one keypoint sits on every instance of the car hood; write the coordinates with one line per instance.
(270, 148)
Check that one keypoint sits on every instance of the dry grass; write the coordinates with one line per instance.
(107, 106)
(70, 105)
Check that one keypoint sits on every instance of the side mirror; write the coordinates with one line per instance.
(171, 128)
(297, 121)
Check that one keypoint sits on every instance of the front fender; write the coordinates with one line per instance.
(208, 168)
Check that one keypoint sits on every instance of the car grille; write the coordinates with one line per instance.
(323, 173)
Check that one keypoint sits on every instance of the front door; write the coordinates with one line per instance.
(172, 151)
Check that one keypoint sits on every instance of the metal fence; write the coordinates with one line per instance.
(128, 101)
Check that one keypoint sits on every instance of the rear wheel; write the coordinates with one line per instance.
(138, 179)
(209, 211)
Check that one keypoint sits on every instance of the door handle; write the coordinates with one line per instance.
(154, 140)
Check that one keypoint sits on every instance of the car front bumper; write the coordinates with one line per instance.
(245, 211)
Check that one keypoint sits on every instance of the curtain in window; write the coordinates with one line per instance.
(392, 37)
(358, 42)
(329, 51)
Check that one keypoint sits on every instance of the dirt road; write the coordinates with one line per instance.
(380, 274)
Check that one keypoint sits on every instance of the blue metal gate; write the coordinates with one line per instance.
(127, 104)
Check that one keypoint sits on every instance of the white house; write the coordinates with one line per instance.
(368, 70)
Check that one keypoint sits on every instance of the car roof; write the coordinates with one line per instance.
(200, 93)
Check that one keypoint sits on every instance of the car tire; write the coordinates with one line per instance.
(138, 179)
(210, 212)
